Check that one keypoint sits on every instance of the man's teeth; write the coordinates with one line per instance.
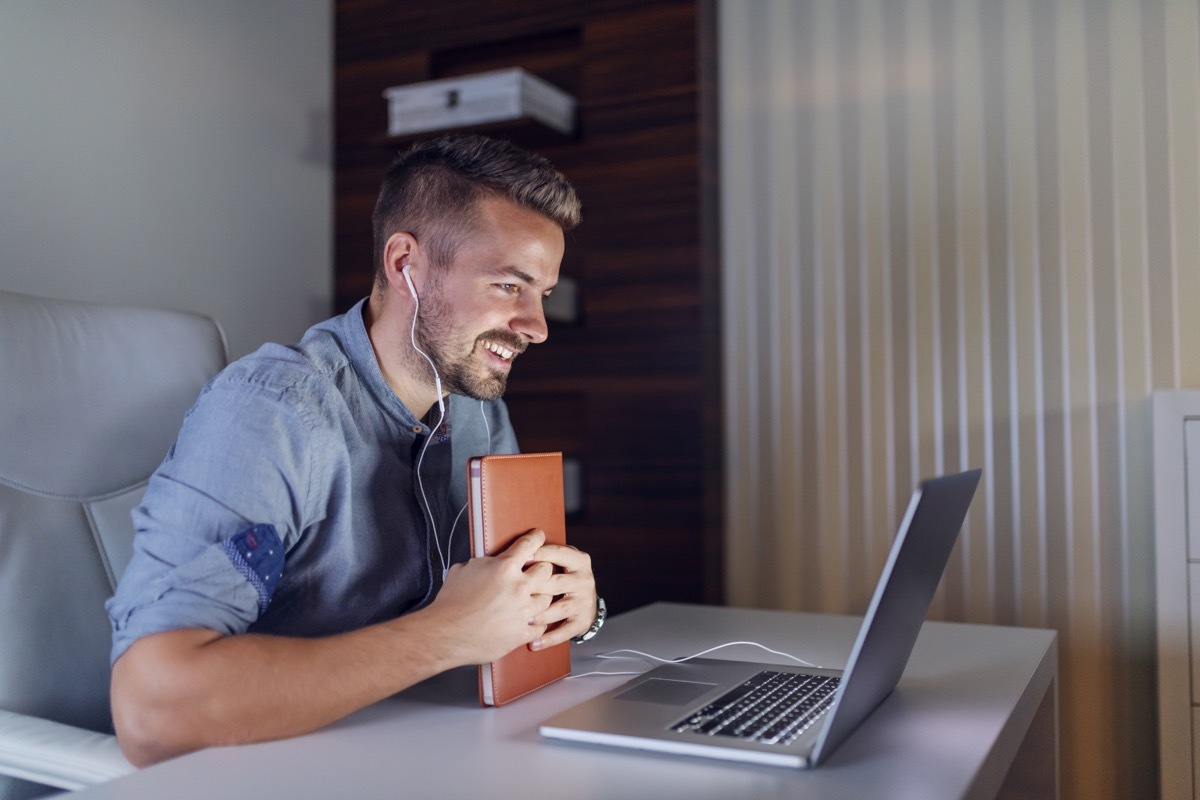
(499, 350)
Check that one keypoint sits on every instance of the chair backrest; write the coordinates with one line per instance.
(91, 398)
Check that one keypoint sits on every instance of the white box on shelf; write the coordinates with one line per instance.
(487, 97)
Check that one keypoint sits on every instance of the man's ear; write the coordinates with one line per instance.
(400, 251)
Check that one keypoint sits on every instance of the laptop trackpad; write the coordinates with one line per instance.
(665, 691)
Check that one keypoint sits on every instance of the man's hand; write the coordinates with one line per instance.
(574, 586)
(495, 604)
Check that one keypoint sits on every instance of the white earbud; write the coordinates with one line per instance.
(408, 280)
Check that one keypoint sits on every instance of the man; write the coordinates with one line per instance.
(300, 552)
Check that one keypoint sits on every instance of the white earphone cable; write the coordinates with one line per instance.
(458, 516)
(437, 379)
(443, 557)
(637, 654)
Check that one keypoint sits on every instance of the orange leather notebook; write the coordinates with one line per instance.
(509, 495)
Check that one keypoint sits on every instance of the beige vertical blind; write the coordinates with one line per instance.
(962, 234)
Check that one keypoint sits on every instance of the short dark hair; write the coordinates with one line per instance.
(433, 189)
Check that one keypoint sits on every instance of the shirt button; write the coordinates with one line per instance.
(416, 428)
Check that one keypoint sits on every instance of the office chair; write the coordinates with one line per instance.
(91, 398)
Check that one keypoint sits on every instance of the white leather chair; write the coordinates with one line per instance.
(91, 398)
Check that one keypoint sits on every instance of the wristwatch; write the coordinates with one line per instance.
(597, 623)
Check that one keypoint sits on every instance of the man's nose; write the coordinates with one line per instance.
(531, 323)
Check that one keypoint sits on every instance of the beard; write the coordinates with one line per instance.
(440, 336)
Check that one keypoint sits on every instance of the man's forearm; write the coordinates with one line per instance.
(183, 690)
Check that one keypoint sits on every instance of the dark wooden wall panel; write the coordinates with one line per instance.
(631, 389)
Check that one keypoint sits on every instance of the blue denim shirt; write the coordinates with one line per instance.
(290, 502)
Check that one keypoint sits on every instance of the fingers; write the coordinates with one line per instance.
(522, 549)
(536, 573)
(570, 559)
(571, 613)
(539, 574)
(575, 616)
(561, 578)
(542, 604)
(526, 545)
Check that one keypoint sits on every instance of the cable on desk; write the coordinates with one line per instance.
(637, 654)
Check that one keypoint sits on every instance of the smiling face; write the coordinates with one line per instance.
(485, 308)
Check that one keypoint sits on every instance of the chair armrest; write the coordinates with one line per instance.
(54, 754)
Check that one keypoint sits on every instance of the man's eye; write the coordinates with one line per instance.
(508, 288)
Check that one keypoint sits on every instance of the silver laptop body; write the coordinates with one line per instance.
(642, 713)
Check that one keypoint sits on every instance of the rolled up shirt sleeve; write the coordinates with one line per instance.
(203, 590)
(218, 515)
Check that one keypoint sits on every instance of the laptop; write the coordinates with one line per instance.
(787, 715)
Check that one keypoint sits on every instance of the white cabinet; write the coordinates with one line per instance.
(1176, 431)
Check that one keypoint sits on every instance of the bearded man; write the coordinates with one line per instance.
(301, 553)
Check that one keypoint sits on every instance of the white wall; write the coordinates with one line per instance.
(964, 234)
(170, 154)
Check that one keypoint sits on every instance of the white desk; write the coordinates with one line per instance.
(974, 702)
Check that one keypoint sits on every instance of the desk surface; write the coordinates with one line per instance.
(951, 729)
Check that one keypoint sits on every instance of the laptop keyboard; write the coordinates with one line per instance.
(771, 707)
